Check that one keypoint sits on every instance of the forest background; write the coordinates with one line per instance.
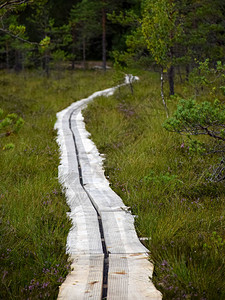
(165, 33)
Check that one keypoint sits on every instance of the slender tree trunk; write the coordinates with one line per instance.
(73, 64)
(17, 61)
(84, 53)
(171, 70)
(104, 38)
(162, 93)
(23, 55)
(180, 75)
(187, 72)
(47, 64)
(131, 84)
(7, 55)
(73, 57)
(171, 80)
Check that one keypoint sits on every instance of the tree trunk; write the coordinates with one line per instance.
(104, 39)
(187, 72)
(73, 64)
(7, 55)
(73, 47)
(171, 80)
(47, 64)
(23, 55)
(84, 53)
(17, 66)
(180, 75)
(162, 93)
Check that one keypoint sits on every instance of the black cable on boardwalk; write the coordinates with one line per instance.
(106, 255)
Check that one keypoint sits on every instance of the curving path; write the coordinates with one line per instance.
(108, 260)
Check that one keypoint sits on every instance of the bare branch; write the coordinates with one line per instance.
(218, 174)
(13, 2)
(212, 134)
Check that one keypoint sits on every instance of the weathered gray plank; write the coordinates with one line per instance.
(120, 234)
(84, 237)
(104, 198)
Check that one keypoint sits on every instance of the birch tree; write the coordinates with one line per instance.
(161, 30)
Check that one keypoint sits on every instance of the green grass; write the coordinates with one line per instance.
(34, 224)
(165, 185)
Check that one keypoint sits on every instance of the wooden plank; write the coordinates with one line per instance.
(85, 281)
(129, 278)
(129, 268)
(120, 234)
(84, 237)
(104, 198)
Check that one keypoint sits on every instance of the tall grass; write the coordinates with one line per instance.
(34, 223)
(165, 185)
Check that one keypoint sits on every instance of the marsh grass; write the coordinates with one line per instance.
(165, 185)
(34, 223)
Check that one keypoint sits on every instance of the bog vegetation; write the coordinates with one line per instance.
(163, 136)
(34, 223)
(173, 183)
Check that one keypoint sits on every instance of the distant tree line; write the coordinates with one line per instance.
(35, 33)
(165, 34)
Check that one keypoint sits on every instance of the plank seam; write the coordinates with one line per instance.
(105, 252)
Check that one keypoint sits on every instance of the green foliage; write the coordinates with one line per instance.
(216, 243)
(207, 77)
(45, 44)
(125, 18)
(202, 20)
(164, 184)
(6, 122)
(18, 125)
(169, 180)
(9, 146)
(195, 146)
(174, 32)
(161, 29)
(198, 119)
(206, 119)
(119, 67)
(84, 21)
(10, 124)
(59, 55)
(34, 222)
(202, 118)
(17, 30)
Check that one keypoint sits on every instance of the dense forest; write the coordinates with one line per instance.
(174, 35)
(163, 136)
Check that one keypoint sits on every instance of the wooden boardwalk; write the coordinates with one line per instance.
(109, 261)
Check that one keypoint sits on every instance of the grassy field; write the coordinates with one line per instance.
(165, 185)
(34, 224)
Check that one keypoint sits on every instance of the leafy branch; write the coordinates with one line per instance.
(205, 118)
(16, 36)
(198, 119)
